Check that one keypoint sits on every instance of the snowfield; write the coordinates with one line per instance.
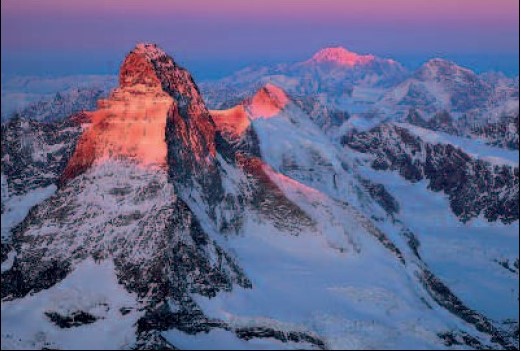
(461, 254)
(92, 287)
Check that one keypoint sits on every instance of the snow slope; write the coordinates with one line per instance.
(466, 256)
(92, 287)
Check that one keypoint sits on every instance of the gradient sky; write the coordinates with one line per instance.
(213, 38)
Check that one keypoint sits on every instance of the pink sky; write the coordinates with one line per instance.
(499, 12)
(274, 29)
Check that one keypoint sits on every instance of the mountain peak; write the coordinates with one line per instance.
(275, 93)
(148, 49)
(440, 62)
(138, 66)
(268, 101)
(155, 96)
(340, 56)
(441, 67)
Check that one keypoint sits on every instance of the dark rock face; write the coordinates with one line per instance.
(323, 116)
(443, 296)
(34, 154)
(75, 319)
(503, 133)
(381, 196)
(474, 186)
(190, 272)
(152, 340)
(187, 167)
(457, 338)
(230, 145)
(415, 118)
(5, 249)
(443, 122)
(284, 336)
(22, 278)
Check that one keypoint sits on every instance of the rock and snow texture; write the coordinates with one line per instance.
(50, 99)
(158, 223)
(476, 186)
(34, 153)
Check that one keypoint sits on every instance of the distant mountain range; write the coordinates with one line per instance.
(334, 81)
(48, 98)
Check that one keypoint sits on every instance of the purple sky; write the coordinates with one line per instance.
(215, 37)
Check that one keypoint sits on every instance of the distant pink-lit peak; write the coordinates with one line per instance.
(340, 56)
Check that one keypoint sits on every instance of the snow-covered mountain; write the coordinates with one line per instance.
(481, 184)
(440, 84)
(336, 84)
(443, 96)
(331, 74)
(154, 222)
